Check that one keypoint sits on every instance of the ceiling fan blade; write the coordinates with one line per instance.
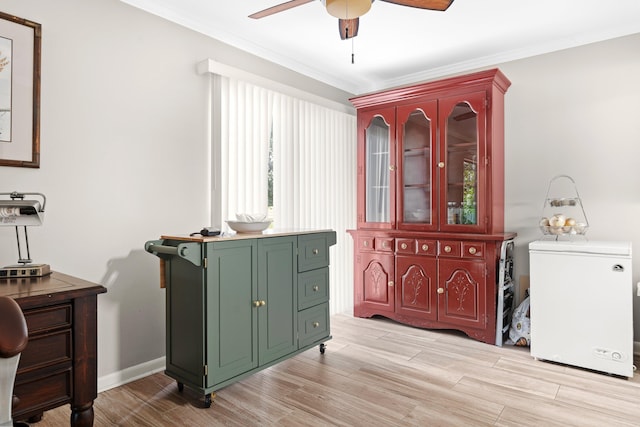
(348, 28)
(279, 8)
(441, 5)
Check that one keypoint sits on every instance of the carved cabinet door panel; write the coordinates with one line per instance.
(416, 282)
(376, 282)
(462, 298)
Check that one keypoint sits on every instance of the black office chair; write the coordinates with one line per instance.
(13, 339)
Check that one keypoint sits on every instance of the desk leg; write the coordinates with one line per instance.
(85, 361)
(82, 417)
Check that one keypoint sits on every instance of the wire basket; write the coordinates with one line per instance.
(562, 212)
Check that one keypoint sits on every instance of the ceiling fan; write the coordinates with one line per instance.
(349, 12)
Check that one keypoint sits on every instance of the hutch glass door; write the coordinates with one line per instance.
(416, 135)
(464, 125)
(378, 167)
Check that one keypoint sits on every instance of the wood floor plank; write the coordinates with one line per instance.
(377, 372)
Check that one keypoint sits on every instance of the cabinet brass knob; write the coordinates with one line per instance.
(403, 246)
(441, 290)
(425, 247)
(262, 303)
(392, 168)
(256, 303)
(472, 251)
(315, 324)
(390, 282)
(385, 244)
(365, 243)
(315, 288)
(315, 252)
(447, 249)
(441, 165)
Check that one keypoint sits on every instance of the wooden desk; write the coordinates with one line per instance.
(59, 364)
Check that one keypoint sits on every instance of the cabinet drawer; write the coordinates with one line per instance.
(43, 392)
(384, 244)
(313, 288)
(452, 248)
(46, 350)
(48, 318)
(365, 243)
(406, 246)
(313, 252)
(313, 324)
(473, 249)
(427, 247)
(449, 248)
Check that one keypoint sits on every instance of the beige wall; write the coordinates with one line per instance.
(124, 146)
(575, 112)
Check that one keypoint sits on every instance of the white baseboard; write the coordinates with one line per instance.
(131, 374)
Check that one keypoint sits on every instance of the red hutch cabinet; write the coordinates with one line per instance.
(431, 203)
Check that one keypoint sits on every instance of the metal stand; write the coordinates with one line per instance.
(21, 260)
(506, 292)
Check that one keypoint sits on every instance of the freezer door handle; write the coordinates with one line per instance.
(618, 268)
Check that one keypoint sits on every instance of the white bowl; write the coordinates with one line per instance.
(248, 227)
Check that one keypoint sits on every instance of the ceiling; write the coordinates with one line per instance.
(398, 45)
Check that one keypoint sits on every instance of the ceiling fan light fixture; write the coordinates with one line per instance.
(347, 9)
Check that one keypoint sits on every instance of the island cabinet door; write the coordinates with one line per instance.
(277, 297)
(231, 312)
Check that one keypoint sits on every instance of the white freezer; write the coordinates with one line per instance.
(581, 297)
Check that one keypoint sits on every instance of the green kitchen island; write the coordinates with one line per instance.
(239, 303)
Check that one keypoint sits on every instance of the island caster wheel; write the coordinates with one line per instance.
(207, 399)
(180, 386)
(323, 347)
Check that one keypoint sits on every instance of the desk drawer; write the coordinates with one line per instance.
(313, 324)
(48, 318)
(42, 393)
(46, 350)
(313, 288)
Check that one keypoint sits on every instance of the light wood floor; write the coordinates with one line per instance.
(376, 372)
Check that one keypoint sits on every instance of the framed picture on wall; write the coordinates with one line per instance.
(20, 41)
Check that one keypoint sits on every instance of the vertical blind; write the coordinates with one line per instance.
(314, 168)
(245, 111)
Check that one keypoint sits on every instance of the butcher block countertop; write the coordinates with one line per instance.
(239, 236)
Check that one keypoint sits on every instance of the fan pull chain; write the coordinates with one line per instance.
(346, 5)
(353, 55)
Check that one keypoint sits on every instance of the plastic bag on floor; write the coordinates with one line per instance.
(520, 330)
